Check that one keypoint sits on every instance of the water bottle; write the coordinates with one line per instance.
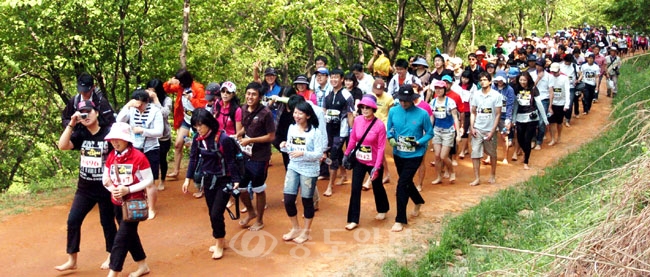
(187, 140)
(504, 130)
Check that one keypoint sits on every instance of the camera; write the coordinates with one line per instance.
(187, 91)
(229, 190)
(83, 115)
(533, 116)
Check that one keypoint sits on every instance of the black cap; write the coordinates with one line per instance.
(85, 82)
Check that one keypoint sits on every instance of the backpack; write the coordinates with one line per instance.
(240, 163)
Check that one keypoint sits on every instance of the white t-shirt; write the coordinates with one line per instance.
(590, 73)
(571, 71)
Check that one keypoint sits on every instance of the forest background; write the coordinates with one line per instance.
(125, 43)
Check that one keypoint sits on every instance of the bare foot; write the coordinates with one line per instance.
(328, 192)
(351, 226)
(452, 178)
(380, 216)
(244, 222)
(418, 187)
(505, 161)
(492, 180)
(294, 233)
(302, 238)
(551, 143)
(229, 204)
(416, 210)
(445, 174)
(475, 183)
(256, 227)
(526, 167)
(397, 227)
(217, 252)
(243, 210)
(152, 215)
(161, 186)
(105, 265)
(341, 180)
(366, 185)
(198, 194)
(143, 269)
(69, 265)
(436, 181)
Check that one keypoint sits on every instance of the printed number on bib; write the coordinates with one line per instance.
(364, 153)
(557, 92)
(298, 144)
(404, 144)
(484, 114)
(125, 173)
(248, 149)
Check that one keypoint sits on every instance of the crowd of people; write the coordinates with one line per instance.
(325, 125)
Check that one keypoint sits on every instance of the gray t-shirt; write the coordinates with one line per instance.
(486, 109)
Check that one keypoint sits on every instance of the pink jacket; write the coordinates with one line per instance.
(372, 148)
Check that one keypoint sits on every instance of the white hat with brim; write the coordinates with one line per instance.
(421, 61)
(120, 130)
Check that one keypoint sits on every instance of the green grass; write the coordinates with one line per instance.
(563, 205)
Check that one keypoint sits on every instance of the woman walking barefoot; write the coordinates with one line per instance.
(129, 181)
(305, 146)
(94, 150)
(220, 175)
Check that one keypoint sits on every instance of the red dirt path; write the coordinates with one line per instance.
(177, 241)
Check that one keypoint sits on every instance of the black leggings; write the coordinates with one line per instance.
(525, 135)
(164, 149)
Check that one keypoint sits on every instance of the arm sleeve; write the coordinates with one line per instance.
(381, 143)
(353, 135)
(194, 155)
(146, 178)
(510, 94)
(428, 131)
(157, 126)
(124, 115)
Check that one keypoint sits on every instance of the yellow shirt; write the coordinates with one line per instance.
(384, 103)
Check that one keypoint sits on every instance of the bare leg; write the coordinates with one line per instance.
(552, 129)
(386, 172)
(68, 265)
(295, 229)
(436, 149)
(333, 175)
(476, 163)
(245, 198)
(152, 198)
(259, 205)
(422, 170)
(493, 172)
(444, 158)
(181, 133)
(559, 133)
(506, 146)
(304, 235)
(217, 252)
(344, 176)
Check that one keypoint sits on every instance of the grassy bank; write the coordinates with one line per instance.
(543, 214)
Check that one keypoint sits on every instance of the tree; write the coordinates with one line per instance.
(446, 15)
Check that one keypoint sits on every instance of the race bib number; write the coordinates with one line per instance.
(332, 116)
(484, 115)
(557, 93)
(92, 158)
(590, 76)
(364, 153)
(440, 112)
(248, 149)
(524, 99)
(124, 174)
(404, 144)
(504, 109)
(298, 144)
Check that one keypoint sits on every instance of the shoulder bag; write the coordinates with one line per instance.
(352, 158)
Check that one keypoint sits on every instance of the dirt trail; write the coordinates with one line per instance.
(177, 241)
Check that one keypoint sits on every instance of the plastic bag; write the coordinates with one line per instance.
(610, 84)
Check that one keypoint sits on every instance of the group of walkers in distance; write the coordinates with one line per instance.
(326, 124)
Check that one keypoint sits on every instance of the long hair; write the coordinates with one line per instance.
(157, 86)
(234, 105)
(529, 86)
(309, 111)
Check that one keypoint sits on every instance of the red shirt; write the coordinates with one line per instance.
(459, 103)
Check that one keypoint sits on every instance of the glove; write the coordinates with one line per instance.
(392, 142)
(374, 173)
(413, 143)
(345, 159)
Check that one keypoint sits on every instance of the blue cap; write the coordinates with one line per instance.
(447, 78)
(323, 70)
(513, 72)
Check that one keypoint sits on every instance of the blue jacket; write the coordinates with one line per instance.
(404, 125)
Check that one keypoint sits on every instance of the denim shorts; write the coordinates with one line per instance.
(293, 180)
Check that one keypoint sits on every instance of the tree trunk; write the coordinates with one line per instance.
(427, 52)
(473, 33)
(521, 19)
(361, 52)
(122, 51)
(186, 33)
(309, 41)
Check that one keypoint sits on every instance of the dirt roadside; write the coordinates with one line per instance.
(177, 241)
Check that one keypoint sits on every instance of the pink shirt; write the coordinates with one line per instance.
(371, 152)
(309, 96)
(225, 121)
(600, 61)
(425, 106)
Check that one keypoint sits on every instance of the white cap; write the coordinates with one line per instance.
(555, 67)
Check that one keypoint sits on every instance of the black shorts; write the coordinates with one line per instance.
(558, 115)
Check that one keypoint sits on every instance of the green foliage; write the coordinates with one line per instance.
(629, 12)
(560, 209)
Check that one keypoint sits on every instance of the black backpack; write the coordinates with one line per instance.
(240, 163)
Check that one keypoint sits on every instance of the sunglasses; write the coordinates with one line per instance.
(362, 107)
(226, 91)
